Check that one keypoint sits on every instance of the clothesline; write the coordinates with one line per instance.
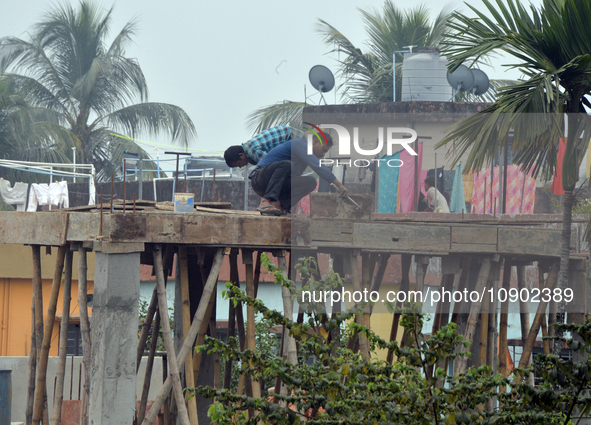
(56, 193)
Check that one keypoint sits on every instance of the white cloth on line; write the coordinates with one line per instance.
(44, 194)
(91, 192)
(16, 195)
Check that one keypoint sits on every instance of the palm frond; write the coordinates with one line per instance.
(286, 113)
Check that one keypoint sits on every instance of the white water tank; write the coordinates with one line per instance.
(424, 77)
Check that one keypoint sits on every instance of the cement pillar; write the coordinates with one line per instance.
(114, 336)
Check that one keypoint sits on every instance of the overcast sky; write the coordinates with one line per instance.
(221, 60)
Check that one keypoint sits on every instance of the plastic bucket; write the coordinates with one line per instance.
(5, 396)
(184, 202)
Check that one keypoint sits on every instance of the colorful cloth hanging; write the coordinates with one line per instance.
(557, 182)
(396, 184)
(520, 193)
(388, 185)
(457, 203)
(468, 186)
(407, 176)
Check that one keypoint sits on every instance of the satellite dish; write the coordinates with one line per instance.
(321, 78)
(461, 79)
(481, 82)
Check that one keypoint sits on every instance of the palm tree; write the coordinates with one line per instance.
(551, 45)
(368, 76)
(27, 133)
(68, 67)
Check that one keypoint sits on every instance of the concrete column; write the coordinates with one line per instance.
(114, 336)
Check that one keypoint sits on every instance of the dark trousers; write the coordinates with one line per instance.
(276, 183)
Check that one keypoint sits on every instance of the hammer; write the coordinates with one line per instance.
(348, 197)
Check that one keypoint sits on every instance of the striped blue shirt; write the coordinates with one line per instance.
(260, 145)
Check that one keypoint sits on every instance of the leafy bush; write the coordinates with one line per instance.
(343, 387)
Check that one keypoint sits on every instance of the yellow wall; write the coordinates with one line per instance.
(16, 269)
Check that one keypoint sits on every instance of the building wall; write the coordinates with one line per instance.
(16, 295)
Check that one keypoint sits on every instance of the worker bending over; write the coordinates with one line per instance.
(256, 148)
(278, 176)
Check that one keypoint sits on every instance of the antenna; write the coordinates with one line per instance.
(461, 79)
(321, 79)
(481, 82)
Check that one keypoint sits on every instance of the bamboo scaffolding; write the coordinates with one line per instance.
(404, 285)
(33, 351)
(460, 363)
(231, 317)
(85, 332)
(186, 310)
(149, 368)
(535, 327)
(250, 328)
(167, 336)
(58, 394)
(192, 334)
(290, 350)
(503, 346)
(40, 390)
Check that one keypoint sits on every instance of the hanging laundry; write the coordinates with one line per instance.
(406, 185)
(520, 192)
(388, 185)
(468, 186)
(43, 194)
(38, 195)
(16, 195)
(91, 192)
(557, 182)
(457, 203)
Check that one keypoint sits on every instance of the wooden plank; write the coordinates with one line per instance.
(540, 241)
(329, 205)
(331, 231)
(401, 237)
(461, 247)
(474, 235)
(210, 229)
(31, 228)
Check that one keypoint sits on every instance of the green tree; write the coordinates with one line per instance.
(336, 385)
(68, 67)
(551, 46)
(26, 133)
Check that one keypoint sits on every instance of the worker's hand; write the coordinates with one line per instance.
(342, 189)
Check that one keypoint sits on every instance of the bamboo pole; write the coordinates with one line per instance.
(231, 318)
(535, 327)
(523, 306)
(290, 351)
(545, 342)
(40, 390)
(58, 394)
(187, 343)
(462, 284)
(167, 336)
(460, 363)
(186, 310)
(484, 309)
(503, 347)
(250, 328)
(33, 351)
(404, 285)
(367, 269)
(359, 317)
(149, 369)
(85, 332)
(141, 345)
